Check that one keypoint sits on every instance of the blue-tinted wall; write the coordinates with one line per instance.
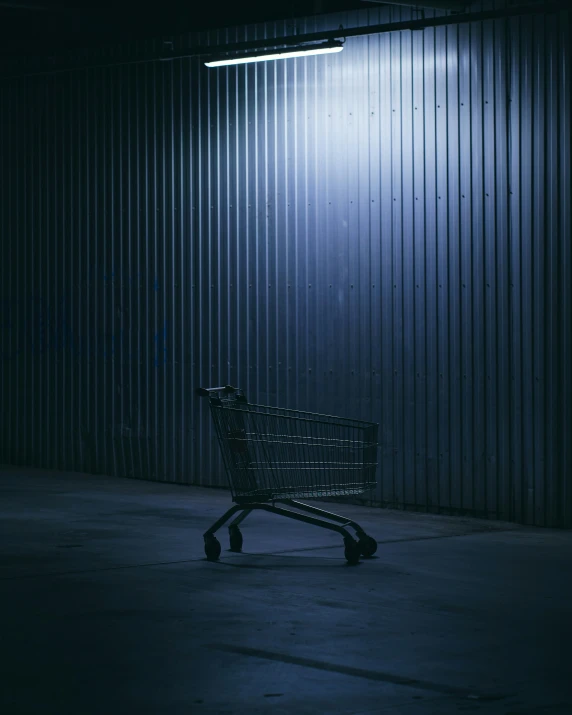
(383, 233)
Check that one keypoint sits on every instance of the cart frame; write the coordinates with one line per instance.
(266, 500)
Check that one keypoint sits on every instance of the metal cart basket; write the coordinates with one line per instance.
(274, 455)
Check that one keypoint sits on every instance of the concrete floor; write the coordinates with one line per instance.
(109, 606)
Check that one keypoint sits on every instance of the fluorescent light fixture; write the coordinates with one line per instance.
(266, 55)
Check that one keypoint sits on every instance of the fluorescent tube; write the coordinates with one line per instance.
(257, 56)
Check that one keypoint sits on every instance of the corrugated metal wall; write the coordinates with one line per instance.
(382, 233)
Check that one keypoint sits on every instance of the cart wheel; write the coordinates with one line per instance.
(212, 547)
(352, 551)
(235, 538)
(367, 545)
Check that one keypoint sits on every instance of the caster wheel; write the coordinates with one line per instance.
(367, 545)
(212, 547)
(352, 551)
(235, 538)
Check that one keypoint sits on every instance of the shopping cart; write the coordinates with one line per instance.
(274, 455)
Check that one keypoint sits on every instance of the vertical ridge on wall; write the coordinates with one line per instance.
(564, 416)
(383, 233)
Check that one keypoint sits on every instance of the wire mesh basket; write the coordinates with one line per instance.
(273, 452)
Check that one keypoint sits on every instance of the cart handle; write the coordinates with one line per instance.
(206, 391)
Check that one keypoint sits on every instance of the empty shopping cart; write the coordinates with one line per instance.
(276, 456)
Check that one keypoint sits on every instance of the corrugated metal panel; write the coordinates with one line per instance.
(383, 233)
